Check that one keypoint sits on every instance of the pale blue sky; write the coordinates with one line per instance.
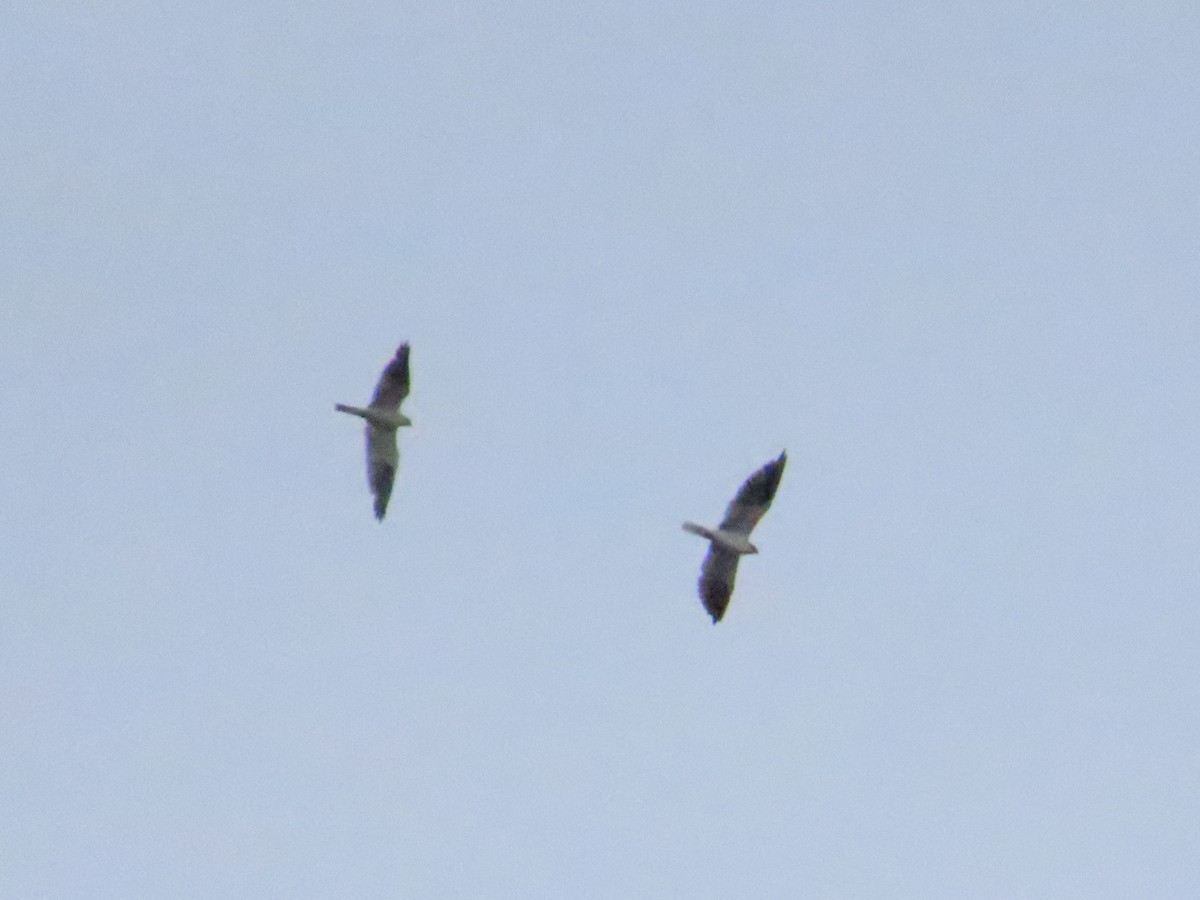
(945, 254)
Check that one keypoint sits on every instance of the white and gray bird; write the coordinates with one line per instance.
(383, 418)
(731, 541)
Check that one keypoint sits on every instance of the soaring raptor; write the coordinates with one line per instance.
(383, 418)
(732, 540)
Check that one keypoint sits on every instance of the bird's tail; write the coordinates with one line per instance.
(699, 529)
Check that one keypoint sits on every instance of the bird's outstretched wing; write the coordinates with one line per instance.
(393, 383)
(383, 458)
(716, 580)
(754, 499)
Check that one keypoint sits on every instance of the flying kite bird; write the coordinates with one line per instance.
(383, 418)
(732, 539)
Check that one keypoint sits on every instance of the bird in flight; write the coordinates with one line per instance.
(731, 540)
(383, 418)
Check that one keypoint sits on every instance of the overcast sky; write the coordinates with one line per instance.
(945, 254)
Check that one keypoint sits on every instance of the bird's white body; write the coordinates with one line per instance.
(384, 418)
(730, 540)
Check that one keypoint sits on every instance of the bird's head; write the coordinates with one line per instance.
(750, 548)
(402, 420)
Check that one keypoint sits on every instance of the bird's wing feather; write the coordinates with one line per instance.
(393, 383)
(754, 498)
(383, 458)
(716, 580)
